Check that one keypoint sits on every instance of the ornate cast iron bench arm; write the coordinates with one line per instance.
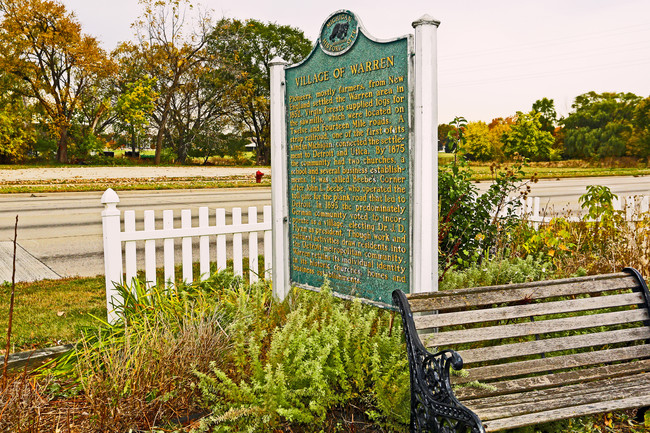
(434, 408)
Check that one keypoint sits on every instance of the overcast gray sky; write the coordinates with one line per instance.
(494, 57)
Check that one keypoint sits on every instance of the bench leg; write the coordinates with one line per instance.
(640, 414)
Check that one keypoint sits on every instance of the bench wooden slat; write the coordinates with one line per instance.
(545, 350)
(519, 311)
(467, 393)
(553, 345)
(605, 388)
(566, 412)
(555, 363)
(558, 401)
(466, 298)
(443, 339)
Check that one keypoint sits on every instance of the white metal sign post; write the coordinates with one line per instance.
(425, 158)
(422, 123)
(279, 190)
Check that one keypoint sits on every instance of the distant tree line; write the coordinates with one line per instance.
(190, 85)
(187, 84)
(599, 126)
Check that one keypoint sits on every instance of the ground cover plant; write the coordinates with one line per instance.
(224, 356)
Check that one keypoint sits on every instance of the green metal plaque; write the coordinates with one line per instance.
(349, 166)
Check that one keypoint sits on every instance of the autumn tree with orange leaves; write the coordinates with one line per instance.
(42, 44)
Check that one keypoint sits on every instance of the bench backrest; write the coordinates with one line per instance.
(526, 336)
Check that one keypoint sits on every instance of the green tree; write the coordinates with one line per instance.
(499, 129)
(477, 142)
(600, 126)
(95, 113)
(97, 105)
(41, 43)
(246, 49)
(640, 141)
(547, 114)
(212, 143)
(16, 134)
(527, 138)
(170, 44)
(444, 129)
(135, 106)
(200, 110)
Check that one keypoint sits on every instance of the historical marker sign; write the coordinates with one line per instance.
(348, 161)
(354, 131)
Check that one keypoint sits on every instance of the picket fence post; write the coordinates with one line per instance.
(112, 250)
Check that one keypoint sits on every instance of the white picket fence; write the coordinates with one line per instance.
(120, 246)
(530, 209)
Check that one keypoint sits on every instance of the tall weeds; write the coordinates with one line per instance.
(138, 373)
(602, 242)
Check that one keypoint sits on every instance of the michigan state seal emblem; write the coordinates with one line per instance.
(339, 33)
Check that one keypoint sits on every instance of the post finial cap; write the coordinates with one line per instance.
(277, 60)
(426, 20)
(110, 196)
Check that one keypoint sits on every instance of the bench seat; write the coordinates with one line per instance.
(533, 352)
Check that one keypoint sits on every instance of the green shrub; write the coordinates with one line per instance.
(471, 225)
(329, 356)
(498, 271)
(232, 349)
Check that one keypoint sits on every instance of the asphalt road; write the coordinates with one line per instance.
(560, 195)
(63, 232)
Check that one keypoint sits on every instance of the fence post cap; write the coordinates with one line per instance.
(110, 197)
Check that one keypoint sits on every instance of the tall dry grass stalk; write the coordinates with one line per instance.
(11, 308)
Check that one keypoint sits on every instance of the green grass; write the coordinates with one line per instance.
(557, 170)
(445, 158)
(482, 172)
(81, 185)
(51, 312)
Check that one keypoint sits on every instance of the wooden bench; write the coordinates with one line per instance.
(536, 352)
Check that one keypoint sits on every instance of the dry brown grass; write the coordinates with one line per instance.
(129, 377)
(148, 381)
